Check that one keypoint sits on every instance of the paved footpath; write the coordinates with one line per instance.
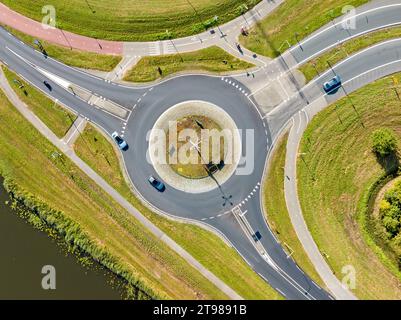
(57, 36)
(300, 122)
(224, 36)
(69, 152)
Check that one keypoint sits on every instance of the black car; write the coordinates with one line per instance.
(48, 85)
(257, 236)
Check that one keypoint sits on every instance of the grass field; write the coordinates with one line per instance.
(293, 16)
(335, 179)
(277, 213)
(212, 59)
(74, 58)
(57, 118)
(335, 55)
(206, 247)
(25, 160)
(134, 20)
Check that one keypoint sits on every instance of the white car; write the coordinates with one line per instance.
(120, 141)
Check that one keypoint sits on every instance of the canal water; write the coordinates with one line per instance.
(24, 251)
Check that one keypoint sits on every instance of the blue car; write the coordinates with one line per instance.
(332, 85)
(158, 185)
(120, 142)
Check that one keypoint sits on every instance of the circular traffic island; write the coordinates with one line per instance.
(194, 146)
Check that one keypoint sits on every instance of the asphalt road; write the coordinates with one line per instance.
(147, 103)
(373, 16)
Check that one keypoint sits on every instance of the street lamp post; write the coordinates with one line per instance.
(37, 43)
(18, 83)
(209, 172)
(197, 14)
(306, 165)
(168, 34)
(395, 83)
(331, 14)
(331, 67)
(90, 7)
(222, 35)
(243, 9)
(57, 155)
(317, 71)
(337, 107)
(296, 38)
(353, 106)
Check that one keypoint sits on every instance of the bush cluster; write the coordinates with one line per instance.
(384, 142)
(390, 213)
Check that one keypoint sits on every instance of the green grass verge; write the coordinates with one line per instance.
(129, 20)
(212, 59)
(277, 213)
(206, 247)
(86, 217)
(336, 180)
(74, 57)
(292, 16)
(57, 118)
(335, 55)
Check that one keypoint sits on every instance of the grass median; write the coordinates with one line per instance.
(72, 57)
(128, 20)
(292, 21)
(213, 59)
(335, 176)
(277, 213)
(206, 247)
(57, 118)
(60, 195)
(319, 64)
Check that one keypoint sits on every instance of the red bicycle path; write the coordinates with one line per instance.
(57, 36)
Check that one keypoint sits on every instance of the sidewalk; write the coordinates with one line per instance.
(294, 208)
(57, 36)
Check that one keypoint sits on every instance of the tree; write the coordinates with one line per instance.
(392, 226)
(384, 142)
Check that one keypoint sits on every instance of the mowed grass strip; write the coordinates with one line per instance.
(128, 20)
(212, 59)
(277, 213)
(334, 177)
(206, 247)
(26, 160)
(72, 57)
(301, 17)
(319, 64)
(57, 118)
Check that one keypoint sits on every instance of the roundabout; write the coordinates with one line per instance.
(228, 108)
(233, 201)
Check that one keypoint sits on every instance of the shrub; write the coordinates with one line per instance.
(384, 142)
(390, 211)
